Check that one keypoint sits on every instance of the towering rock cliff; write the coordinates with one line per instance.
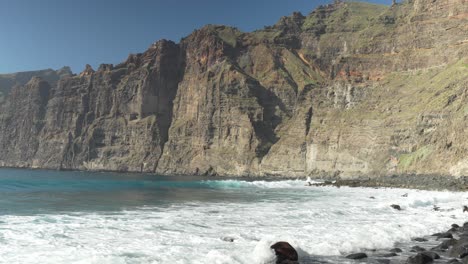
(8, 81)
(351, 89)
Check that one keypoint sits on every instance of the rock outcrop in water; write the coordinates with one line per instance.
(351, 89)
(285, 253)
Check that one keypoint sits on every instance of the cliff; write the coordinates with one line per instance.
(8, 81)
(351, 89)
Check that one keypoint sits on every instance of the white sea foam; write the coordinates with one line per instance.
(227, 184)
(321, 221)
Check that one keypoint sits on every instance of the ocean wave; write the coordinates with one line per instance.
(44, 185)
(228, 184)
(317, 222)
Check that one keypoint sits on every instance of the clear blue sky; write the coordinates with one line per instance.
(39, 34)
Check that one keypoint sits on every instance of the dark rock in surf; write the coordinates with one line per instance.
(431, 254)
(443, 235)
(389, 255)
(285, 253)
(420, 258)
(419, 239)
(460, 249)
(357, 256)
(417, 249)
(228, 239)
(383, 261)
(444, 246)
(396, 207)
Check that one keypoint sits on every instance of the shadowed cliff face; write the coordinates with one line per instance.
(115, 118)
(351, 89)
(8, 81)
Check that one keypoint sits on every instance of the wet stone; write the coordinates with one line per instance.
(417, 249)
(419, 259)
(396, 250)
(419, 239)
(357, 256)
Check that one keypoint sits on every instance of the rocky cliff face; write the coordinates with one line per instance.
(351, 89)
(8, 81)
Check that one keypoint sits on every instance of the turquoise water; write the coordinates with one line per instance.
(37, 191)
(83, 217)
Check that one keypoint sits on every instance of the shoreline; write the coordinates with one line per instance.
(444, 247)
(403, 181)
(415, 182)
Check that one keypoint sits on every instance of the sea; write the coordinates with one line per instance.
(84, 217)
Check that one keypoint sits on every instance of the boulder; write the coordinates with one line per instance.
(444, 235)
(417, 249)
(228, 239)
(419, 259)
(445, 245)
(419, 239)
(383, 261)
(357, 256)
(459, 249)
(285, 253)
(431, 254)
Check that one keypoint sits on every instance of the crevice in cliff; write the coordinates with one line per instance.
(165, 119)
(265, 125)
(308, 121)
(44, 95)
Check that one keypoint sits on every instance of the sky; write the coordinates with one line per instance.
(41, 34)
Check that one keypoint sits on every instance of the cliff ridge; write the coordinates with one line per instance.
(351, 89)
